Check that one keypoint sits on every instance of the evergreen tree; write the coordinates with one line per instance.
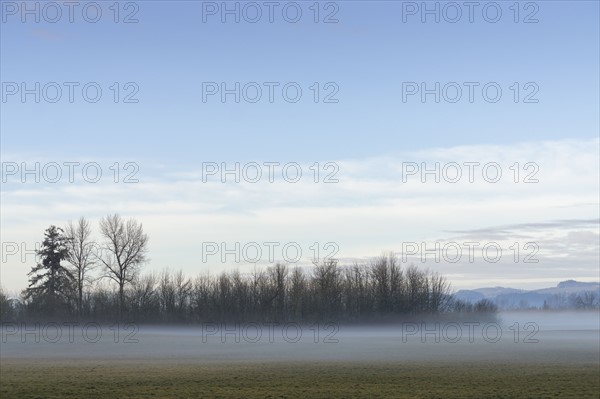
(50, 283)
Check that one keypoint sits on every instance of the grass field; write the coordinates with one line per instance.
(168, 379)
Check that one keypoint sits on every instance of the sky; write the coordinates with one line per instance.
(376, 93)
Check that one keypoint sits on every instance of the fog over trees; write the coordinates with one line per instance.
(81, 279)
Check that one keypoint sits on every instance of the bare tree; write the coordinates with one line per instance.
(201, 296)
(144, 298)
(123, 251)
(397, 293)
(439, 292)
(355, 290)
(380, 272)
(166, 292)
(327, 286)
(416, 289)
(80, 255)
(298, 294)
(174, 291)
(241, 294)
(183, 290)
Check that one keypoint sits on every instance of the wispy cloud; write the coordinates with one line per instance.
(371, 209)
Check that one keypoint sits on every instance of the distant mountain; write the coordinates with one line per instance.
(471, 296)
(495, 291)
(567, 294)
(576, 284)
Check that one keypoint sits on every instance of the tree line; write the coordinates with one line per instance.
(102, 281)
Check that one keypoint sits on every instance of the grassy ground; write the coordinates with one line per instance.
(167, 379)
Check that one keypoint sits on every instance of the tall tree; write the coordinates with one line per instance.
(123, 251)
(279, 276)
(327, 288)
(80, 255)
(50, 283)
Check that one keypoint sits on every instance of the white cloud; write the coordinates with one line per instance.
(370, 210)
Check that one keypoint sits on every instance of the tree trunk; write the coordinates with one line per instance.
(120, 301)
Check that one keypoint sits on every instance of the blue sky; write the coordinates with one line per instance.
(368, 55)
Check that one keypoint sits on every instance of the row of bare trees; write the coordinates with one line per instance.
(102, 281)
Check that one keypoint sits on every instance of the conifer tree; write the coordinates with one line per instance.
(50, 283)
